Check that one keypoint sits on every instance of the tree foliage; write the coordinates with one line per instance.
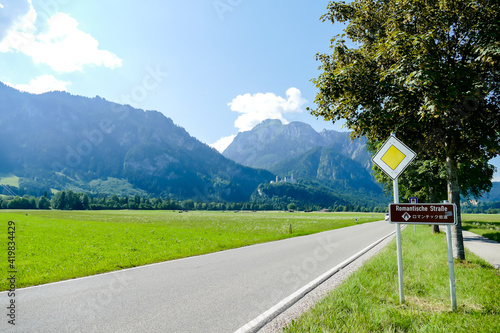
(311, 198)
(426, 179)
(425, 70)
(69, 200)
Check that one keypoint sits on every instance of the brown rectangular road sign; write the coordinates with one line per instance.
(423, 213)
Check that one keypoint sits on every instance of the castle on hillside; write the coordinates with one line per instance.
(284, 180)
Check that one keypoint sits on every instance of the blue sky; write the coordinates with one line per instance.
(216, 67)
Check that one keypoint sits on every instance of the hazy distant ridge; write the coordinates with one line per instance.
(272, 142)
(57, 140)
(329, 157)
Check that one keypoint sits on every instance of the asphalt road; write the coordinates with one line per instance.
(218, 292)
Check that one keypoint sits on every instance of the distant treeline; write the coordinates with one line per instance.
(492, 207)
(69, 200)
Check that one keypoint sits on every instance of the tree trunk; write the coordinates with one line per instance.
(454, 197)
(432, 197)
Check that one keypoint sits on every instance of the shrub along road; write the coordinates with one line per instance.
(218, 292)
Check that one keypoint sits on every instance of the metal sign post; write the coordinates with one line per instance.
(451, 269)
(399, 249)
(393, 158)
(441, 214)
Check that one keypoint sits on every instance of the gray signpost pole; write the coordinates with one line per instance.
(451, 269)
(393, 157)
(441, 214)
(395, 186)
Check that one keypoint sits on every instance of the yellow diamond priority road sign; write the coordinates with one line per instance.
(393, 157)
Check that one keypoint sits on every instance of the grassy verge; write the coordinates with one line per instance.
(369, 300)
(9, 180)
(486, 225)
(58, 245)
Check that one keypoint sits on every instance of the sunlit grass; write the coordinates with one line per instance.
(486, 225)
(369, 300)
(9, 180)
(59, 245)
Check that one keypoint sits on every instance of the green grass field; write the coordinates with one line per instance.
(58, 245)
(487, 225)
(9, 180)
(369, 300)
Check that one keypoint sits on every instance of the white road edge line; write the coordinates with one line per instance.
(260, 321)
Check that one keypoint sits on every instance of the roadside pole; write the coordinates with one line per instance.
(392, 158)
(451, 269)
(425, 214)
(395, 186)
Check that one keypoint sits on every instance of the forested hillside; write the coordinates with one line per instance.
(57, 141)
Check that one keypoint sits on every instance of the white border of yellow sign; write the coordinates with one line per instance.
(401, 165)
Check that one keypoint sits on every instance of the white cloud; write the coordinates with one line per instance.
(258, 107)
(223, 143)
(1, 6)
(41, 85)
(18, 22)
(62, 46)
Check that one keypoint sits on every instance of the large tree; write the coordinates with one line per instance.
(425, 70)
(426, 179)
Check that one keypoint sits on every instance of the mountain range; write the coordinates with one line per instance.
(56, 141)
(271, 142)
(329, 157)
